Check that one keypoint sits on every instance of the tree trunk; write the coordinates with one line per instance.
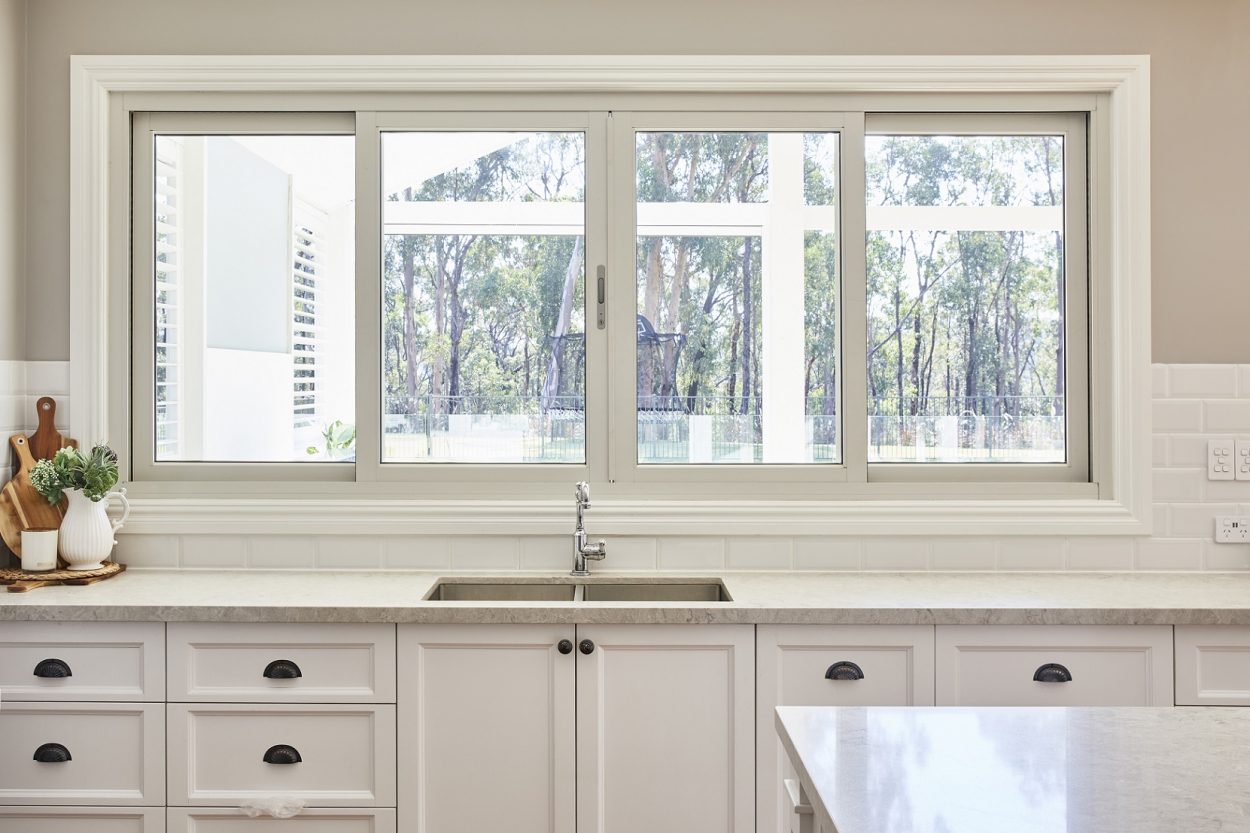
(551, 385)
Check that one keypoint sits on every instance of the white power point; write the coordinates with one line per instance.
(1220, 459)
(1232, 529)
(1242, 460)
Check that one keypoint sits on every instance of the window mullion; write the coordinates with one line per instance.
(368, 298)
(599, 396)
(853, 303)
(622, 300)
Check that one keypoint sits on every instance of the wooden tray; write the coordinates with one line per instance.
(19, 581)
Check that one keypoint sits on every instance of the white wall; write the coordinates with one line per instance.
(12, 178)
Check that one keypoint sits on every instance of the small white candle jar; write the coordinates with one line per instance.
(39, 549)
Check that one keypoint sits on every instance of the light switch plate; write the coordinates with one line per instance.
(1232, 529)
(1220, 459)
(1242, 460)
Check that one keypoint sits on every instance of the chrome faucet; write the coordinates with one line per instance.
(582, 550)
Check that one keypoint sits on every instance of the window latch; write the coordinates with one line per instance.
(602, 297)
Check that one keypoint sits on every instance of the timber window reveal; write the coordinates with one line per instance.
(753, 301)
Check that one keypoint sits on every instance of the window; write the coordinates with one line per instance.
(760, 301)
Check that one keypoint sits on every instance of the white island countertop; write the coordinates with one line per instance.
(1022, 770)
(919, 598)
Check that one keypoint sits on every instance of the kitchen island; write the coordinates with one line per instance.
(1018, 770)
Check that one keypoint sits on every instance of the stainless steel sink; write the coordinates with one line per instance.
(463, 591)
(460, 590)
(666, 592)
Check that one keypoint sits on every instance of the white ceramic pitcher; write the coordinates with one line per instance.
(86, 532)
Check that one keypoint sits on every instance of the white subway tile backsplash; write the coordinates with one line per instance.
(425, 552)
(1186, 451)
(1225, 556)
(963, 554)
(681, 554)
(1178, 484)
(1031, 554)
(831, 554)
(282, 552)
(1203, 381)
(751, 553)
(1160, 453)
(485, 552)
(547, 552)
(1169, 554)
(1196, 520)
(1101, 553)
(47, 379)
(214, 551)
(1159, 380)
(1231, 417)
(139, 551)
(349, 552)
(1177, 416)
(896, 554)
(629, 554)
(1243, 381)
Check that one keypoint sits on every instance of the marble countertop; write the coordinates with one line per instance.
(758, 598)
(990, 770)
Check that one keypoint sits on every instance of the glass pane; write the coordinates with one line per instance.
(253, 242)
(737, 280)
(966, 299)
(483, 303)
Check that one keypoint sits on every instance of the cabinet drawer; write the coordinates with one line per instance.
(880, 665)
(277, 663)
(316, 820)
(82, 820)
(87, 661)
(116, 754)
(342, 755)
(1212, 666)
(1054, 665)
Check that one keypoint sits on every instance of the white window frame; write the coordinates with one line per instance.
(1113, 90)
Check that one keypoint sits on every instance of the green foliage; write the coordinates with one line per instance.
(94, 472)
(338, 438)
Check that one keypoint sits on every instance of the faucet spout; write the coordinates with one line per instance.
(582, 550)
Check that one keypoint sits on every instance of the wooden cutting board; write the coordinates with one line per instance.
(21, 507)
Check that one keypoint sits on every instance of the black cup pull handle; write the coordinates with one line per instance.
(586, 646)
(282, 754)
(52, 753)
(844, 670)
(282, 669)
(564, 646)
(51, 668)
(1052, 672)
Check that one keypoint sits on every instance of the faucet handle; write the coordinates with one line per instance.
(583, 493)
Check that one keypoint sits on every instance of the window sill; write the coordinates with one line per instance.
(859, 517)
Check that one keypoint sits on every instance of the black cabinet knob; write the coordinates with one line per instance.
(52, 753)
(1052, 672)
(282, 754)
(586, 646)
(844, 670)
(53, 668)
(564, 646)
(282, 669)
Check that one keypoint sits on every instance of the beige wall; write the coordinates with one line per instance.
(12, 219)
(1201, 108)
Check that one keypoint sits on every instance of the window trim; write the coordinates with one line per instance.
(104, 89)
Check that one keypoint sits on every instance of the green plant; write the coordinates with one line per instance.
(95, 472)
(338, 436)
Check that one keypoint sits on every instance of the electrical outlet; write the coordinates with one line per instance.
(1242, 460)
(1220, 463)
(1232, 529)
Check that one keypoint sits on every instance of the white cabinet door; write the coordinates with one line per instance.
(665, 731)
(1212, 665)
(820, 665)
(83, 661)
(1054, 665)
(486, 728)
(309, 820)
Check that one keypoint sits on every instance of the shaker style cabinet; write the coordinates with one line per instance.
(486, 728)
(828, 665)
(595, 728)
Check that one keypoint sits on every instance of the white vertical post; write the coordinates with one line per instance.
(783, 303)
